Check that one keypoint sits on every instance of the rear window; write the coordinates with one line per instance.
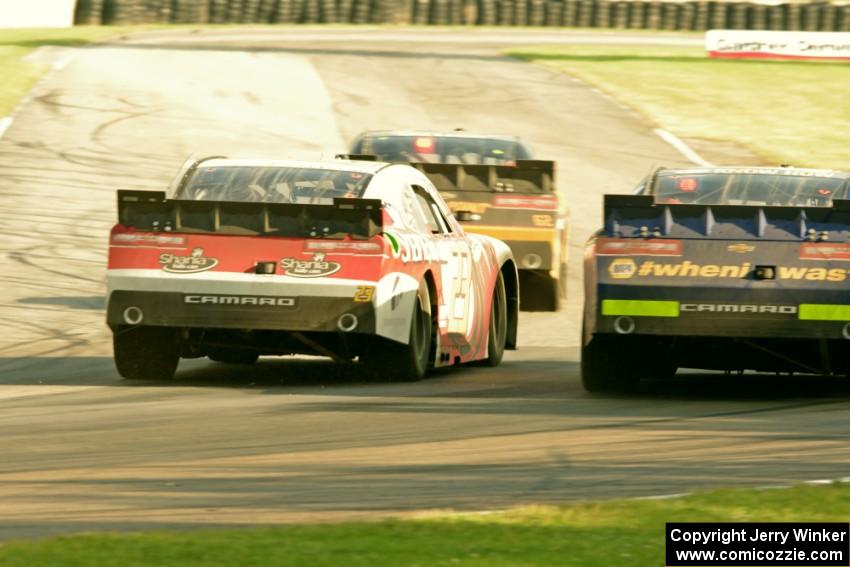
(272, 184)
(748, 188)
(442, 149)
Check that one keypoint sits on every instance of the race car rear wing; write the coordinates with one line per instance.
(527, 176)
(639, 216)
(152, 211)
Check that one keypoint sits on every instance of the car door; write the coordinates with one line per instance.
(456, 265)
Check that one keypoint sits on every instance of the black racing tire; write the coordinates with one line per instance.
(233, 356)
(608, 367)
(663, 370)
(146, 353)
(498, 332)
(538, 292)
(562, 282)
(409, 362)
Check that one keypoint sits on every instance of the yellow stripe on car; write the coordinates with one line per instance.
(523, 233)
(640, 308)
(823, 312)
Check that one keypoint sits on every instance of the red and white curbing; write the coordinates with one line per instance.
(793, 45)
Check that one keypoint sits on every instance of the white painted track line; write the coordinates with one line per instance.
(4, 124)
(682, 147)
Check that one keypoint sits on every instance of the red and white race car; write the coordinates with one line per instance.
(346, 259)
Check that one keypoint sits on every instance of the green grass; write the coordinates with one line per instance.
(20, 75)
(614, 533)
(784, 111)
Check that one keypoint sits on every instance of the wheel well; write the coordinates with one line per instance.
(432, 296)
(509, 274)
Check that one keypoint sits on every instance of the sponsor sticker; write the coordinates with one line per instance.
(152, 239)
(542, 220)
(521, 202)
(190, 264)
(477, 208)
(317, 267)
(415, 248)
(824, 251)
(622, 268)
(638, 247)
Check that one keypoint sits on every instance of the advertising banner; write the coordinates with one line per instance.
(755, 44)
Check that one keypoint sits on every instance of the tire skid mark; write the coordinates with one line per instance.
(59, 223)
(49, 99)
(23, 284)
(102, 166)
(68, 337)
(24, 259)
(97, 134)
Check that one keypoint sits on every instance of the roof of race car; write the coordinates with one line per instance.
(358, 166)
(759, 170)
(451, 134)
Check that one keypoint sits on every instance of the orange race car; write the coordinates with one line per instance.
(493, 185)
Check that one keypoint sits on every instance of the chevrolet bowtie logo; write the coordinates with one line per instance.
(740, 248)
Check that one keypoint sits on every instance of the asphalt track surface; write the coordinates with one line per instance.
(307, 439)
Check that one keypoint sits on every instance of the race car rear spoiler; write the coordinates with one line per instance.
(639, 215)
(152, 211)
(527, 176)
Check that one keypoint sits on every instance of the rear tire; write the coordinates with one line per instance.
(562, 282)
(410, 362)
(607, 367)
(538, 291)
(146, 353)
(498, 334)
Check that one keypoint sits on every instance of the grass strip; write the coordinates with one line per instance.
(19, 75)
(785, 111)
(612, 533)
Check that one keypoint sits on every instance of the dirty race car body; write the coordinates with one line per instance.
(719, 268)
(349, 260)
(495, 187)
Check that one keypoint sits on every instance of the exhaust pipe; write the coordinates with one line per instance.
(133, 315)
(532, 261)
(624, 325)
(347, 322)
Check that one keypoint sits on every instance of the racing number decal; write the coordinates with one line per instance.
(460, 309)
(364, 293)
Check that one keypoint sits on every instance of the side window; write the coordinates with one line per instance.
(412, 213)
(433, 217)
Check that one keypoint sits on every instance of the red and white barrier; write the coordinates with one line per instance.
(37, 13)
(753, 44)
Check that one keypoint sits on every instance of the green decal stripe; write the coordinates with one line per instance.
(393, 241)
(640, 308)
(823, 312)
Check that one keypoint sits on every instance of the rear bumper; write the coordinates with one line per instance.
(532, 255)
(534, 248)
(240, 311)
(706, 312)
